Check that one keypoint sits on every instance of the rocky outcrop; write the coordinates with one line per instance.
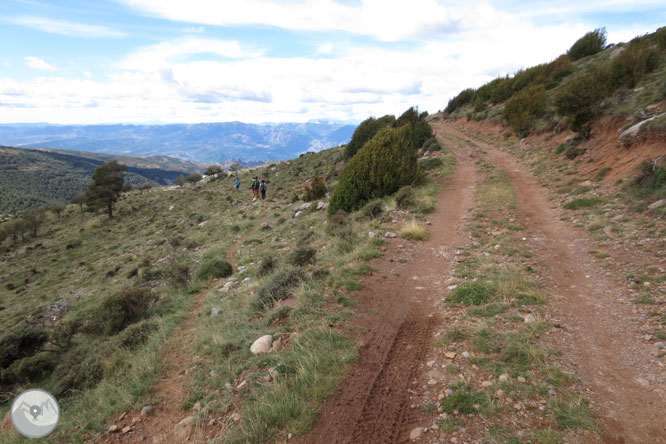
(627, 136)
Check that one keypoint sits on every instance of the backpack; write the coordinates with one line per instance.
(263, 186)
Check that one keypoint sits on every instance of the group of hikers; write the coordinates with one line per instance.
(256, 186)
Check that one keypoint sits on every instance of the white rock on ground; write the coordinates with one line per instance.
(303, 206)
(416, 433)
(627, 136)
(262, 345)
(226, 288)
(657, 204)
(322, 205)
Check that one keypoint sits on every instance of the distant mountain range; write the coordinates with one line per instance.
(203, 142)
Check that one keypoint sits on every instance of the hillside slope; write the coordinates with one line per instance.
(622, 82)
(36, 177)
(115, 312)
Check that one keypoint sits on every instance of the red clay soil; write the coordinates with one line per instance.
(604, 150)
(627, 388)
(372, 405)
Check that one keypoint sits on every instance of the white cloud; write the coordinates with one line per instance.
(64, 27)
(196, 79)
(163, 55)
(387, 20)
(194, 30)
(37, 63)
(325, 49)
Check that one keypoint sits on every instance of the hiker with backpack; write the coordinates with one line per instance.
(237, 183)
(262, 187)
(254, 186)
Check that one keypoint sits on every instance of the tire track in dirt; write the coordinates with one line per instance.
(600, 333)
(397, 314)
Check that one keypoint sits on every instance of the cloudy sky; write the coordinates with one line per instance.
(148, 61)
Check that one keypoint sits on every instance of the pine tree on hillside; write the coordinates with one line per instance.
(103, 191)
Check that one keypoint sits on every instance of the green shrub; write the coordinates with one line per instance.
(590, 44)
(635, 62)
(122, 309)
(583, 202)
(21, 344)
(574, 151)
(463, 98)
(213, 269)
(579, 100)
(432, 145)
(560, 148)
(373, 209)
(556, 70)
(150, 274)
(267, 265)
(302, 256)
(420, 129)
(524, 108)
(178, 274)
(213, 169)
(136, 334)
(364, 132)
(660, 37)
(430, 164)
(405, 197)
(472, 293)
(78, 372)
(194, 178)
(315, 189)
(29, 370)
(277, 288)
(381, 167)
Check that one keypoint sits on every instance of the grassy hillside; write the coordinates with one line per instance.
(590, 81)
(35, 177)
(94, 300)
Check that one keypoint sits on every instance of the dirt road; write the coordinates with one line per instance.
(372, 405)
(599, 343)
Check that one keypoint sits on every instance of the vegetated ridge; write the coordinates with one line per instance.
(39, 177)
